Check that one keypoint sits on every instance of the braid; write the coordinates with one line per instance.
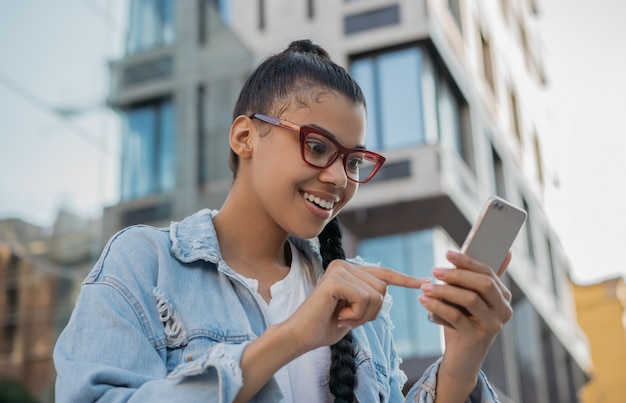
(342, 366)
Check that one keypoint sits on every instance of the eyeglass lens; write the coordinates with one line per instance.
(321, 152)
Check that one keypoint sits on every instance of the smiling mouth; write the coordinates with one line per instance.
(325, 204)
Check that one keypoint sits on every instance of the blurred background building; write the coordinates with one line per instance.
(601, 311)
(40, 272)
(456, 103)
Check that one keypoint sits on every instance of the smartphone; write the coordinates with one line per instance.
(491, 237)
(494, 231)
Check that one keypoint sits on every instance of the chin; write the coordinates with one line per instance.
(309, 232)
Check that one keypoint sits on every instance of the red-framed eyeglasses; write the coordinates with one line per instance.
(320, 150)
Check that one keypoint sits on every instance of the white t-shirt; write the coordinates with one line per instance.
(307, 376)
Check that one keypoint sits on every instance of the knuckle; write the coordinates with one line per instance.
(507, 294)
(486, 285)
(456, 315)
(473, 300)
(508, 313)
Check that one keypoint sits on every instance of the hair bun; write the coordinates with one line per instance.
(306, 46)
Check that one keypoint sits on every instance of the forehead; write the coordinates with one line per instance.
(310, 96)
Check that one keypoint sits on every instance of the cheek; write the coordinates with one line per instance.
(349, 194)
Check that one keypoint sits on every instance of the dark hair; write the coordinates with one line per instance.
(286, 76)
(342, 364)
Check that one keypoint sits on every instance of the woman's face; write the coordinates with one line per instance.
(299, 198)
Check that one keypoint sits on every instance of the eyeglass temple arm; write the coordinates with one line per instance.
(276, 121)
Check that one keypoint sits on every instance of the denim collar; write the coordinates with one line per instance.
(194, 238)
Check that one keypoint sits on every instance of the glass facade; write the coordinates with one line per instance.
(148, 165)
(151, 25)
(412, 253)
(391, 82)
(225, 10)
(412, 100)
(452, 125)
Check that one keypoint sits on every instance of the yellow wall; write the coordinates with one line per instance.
(601, 311)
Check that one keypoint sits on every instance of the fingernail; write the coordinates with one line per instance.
(452, 256)
(426, 287)
(342, 325)
(438, 272)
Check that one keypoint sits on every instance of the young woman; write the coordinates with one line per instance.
(242, 304)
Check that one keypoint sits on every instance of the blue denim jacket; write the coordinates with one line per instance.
(162, 318)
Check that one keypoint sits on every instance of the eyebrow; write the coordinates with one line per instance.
(329, 134)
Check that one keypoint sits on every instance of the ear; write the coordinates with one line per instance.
(241, 134)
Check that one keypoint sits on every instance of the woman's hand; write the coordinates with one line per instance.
(475, 305)
(346, 296)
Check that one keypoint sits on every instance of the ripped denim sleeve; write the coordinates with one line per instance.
(424, 389)
(220, 363)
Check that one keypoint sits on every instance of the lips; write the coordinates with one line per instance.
(318, 201)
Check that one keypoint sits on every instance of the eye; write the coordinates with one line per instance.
(315, 146)
(353, 162)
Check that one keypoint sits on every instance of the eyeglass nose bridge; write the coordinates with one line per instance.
(338, 155)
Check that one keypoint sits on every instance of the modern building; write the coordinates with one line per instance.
(601, 311)
(40, 271)
(455, 94)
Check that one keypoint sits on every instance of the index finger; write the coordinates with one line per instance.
(392, 277)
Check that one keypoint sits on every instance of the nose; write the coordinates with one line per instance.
(335, 173)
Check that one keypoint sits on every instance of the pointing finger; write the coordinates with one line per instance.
(392, 277)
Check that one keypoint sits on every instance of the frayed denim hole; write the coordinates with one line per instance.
(175, 334)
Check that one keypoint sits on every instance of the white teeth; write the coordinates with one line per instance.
(325, 204)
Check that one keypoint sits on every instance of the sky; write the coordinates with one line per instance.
(54, 55)
(59, 147)
(586, 61)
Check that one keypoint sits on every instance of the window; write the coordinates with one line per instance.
(224, 7)
(391, 82)
(495, 366)
(504, 7)
(455, 10)
(201, 100)
(371, 19)
(487, 62)
(523, 37)
(454, 124)
(551, 371)
(407, 91)
(203, 11)
(527, 350)
(261, 21)
(538, 159)
(529, 236)
(205, 7)
(151, 25)
(10, 307)
(554, 275)
(148, 158)
(515, 117)
(414, 334)
(498, 174)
